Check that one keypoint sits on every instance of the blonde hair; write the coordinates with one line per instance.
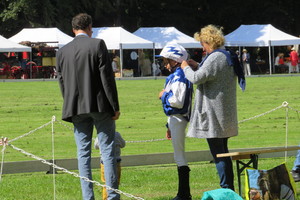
(211, 35)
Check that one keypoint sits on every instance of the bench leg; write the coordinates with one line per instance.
(253, 160)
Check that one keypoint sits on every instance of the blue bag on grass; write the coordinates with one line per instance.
(221, 194)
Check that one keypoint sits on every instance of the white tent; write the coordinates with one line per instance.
(51, 36)
(119, 38)
(259, 35)
(163, 35)
(262, 35)
(9, 46)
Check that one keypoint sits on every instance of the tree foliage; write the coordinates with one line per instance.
(186, 15)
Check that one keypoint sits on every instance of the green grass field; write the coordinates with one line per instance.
(28, 105)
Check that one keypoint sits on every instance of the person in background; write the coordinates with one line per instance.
(294, 60)
(115, 64)
(120, 143)
(6, 69)
(246, 62)
(24, 58)
(90, 99)
(281, 59)
(276, 63)
(156, 68)
(238, 54)
(296, 168)
(176, 98)
(214, 115)
(279, 63)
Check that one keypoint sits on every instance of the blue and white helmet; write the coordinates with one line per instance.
(175, 52)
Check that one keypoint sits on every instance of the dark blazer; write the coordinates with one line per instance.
(86, 78)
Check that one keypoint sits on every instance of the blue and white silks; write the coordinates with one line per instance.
(177, 97)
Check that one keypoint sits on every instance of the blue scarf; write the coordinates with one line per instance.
(233, 61)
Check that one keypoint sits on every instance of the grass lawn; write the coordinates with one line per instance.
(28, 105)
(157, 182)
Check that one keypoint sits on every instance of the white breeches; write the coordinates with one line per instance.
(177, 125)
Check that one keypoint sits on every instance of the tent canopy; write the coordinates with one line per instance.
(119, 38)
(51, 36)
(262, 35)
(259, 35)
(9, 46)
(163, 35)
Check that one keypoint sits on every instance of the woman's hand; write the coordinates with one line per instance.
(193, 64)
(184, 64)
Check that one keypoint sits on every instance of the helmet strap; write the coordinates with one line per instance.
(173, 69)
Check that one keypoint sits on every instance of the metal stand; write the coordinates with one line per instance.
(253, 161)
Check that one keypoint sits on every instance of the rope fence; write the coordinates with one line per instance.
(284, 104)
(72, 173)
(4, 142)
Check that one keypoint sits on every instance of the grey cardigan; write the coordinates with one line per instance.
(214, 113)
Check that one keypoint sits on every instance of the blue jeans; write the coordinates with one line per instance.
(297, 162)
(224, 165)
(83, 131)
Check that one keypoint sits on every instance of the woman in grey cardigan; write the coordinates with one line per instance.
(214, 115)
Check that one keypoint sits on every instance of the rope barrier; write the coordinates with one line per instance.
(5, 142)
(286, 129)
(65, 125)
(72, 173)
(26, 134)
(139, 141)
(53, 158)
(294, 109)
(143, 141)
(284, 104)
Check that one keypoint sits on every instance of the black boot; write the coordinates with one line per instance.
(183, 184)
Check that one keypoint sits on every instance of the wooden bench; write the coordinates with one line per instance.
(253, 158)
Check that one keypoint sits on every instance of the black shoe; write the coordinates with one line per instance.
(296, 175)
(181, 198)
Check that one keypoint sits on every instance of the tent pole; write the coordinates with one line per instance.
(153, 59)
(273, 56)
(270, 60)
(121, 60)
(240, 56)
(30, 65)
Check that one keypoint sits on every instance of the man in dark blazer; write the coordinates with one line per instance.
(90, 96)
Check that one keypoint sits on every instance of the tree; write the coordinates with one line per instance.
(18, 14)
(186, 15)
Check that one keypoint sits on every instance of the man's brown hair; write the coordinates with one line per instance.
(81, 21)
